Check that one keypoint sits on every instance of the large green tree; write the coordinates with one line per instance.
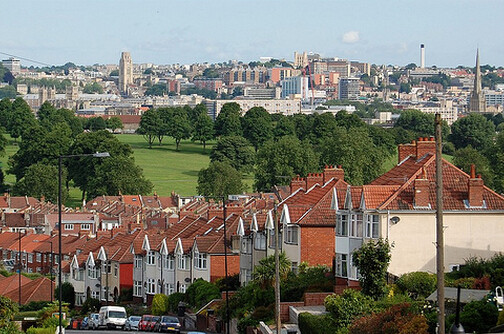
(114, 123)
(150, 126)
(474, 130)
(284, 127)
(257, 126)
(228, 121)
(279, 161)
(355, 150)
(49, 117)
(372, 259)
(465, 157)
(178, 125)
(219, 179)
(41, 180)
(203, 129)
(84, 170)
(21, 118)
(234, 150)
(420, 123)
(5, 113)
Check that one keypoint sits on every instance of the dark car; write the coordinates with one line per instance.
(84, 323)
(132, 323)
(167, 324)
(150, 325)
(144, 322)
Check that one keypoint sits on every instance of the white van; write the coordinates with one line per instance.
(112, 317)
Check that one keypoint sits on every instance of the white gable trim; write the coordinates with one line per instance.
(90, 260)
(146, 244)
(164, 247)
(363, 202)
(179, 250)
(75, 262)
(334, 200)
(102, 255)
(348, 199)
(270, 224)
(254, 227)
(285, 218)
(241, 229)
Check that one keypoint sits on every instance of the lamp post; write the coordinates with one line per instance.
(51, 271)
(226, 263)
(60, 165)
(20, 267)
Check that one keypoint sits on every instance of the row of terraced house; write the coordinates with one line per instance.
(154, 246)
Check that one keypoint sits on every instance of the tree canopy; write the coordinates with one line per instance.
(228, 121)
(235, 151)
(257, 126)
(219, 179)
(474, 130)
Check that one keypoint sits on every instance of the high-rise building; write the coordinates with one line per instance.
(13, 65)
(422, 56)
(125, 72)
(295, 86)
(477, 101)
(349, 89)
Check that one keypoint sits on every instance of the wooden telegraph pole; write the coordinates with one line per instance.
(439, 228)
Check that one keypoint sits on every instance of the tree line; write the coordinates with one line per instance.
(276, 147)
(58, 132)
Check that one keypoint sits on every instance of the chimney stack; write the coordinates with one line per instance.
(333, 172)
(425, 145)
(475, 189)
(296, 183)
(421, 188)
(314, 178)
(422, 56)
(405, 150)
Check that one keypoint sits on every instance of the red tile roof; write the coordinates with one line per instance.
(37, 290)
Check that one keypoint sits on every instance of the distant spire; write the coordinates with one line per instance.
(477, 102)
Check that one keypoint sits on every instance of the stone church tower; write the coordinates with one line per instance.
(477, 102)
(125, 72)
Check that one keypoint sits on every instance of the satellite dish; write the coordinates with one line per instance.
(187, 280)
(394, 220)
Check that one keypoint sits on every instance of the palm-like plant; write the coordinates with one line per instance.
(264, 273)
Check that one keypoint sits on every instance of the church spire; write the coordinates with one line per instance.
(477, 102)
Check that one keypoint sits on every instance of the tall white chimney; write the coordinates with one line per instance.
(422, 56)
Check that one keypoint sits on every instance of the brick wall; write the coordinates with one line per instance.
(317, 245)
(343, 283)
(284, 309)
(217, 266)
(315, 298)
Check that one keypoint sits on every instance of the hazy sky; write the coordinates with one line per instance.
(187, 31)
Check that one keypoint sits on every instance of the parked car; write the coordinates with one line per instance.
(93, 321)
(150, 326)
(112, 317)
(84, 323)
(144, 322)
(132, 323)
(167, 324)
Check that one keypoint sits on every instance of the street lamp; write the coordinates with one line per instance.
(60, 260)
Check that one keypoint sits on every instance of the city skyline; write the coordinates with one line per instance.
(167, 32)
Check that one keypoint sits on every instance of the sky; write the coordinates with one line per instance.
(195, 31)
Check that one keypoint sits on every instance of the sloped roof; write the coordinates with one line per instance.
(10, 283)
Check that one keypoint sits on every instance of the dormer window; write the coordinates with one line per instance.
(151, 258)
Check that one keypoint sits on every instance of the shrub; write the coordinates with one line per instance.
(349, 305)
(243, 323)
(47, 312)
(201, 292)
(232, 283)
(397, 319)
(263, 313)
(7, 310)
(159, 304)
(173, 301)
(90, 305)
(67, 293)
(33, 306)
(313, 324)
(33, 330)
(479, 316)
(417, 284)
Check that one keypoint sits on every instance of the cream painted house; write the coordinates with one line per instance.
(400, 206)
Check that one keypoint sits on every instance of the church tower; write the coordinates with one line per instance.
(125, 72)
(477, 102)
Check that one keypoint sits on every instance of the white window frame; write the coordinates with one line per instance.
(30, 258)
(200, 261)
(246, 246)
(356, 225)
(260, 241)
(138, 261)
(372, 226)
(342, 225)
(151, 258)
(291, 234)
(151, 286)
(183, 288)
(92, 272)
(182, 262)
(170, 288)
(116, 270)
(38, 257)
(169, 262)
(137, 288)
(85, 227)
(341, 265)
(68, 227)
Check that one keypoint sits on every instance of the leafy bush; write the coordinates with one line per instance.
(126, 295)
(417, 284)
(173, 301)
(263, 313)
(33, 306)
(313, 324)
(47, 312)
(7, 310)
(479, 268)
(159, 304)
(232, 283)
(313, 279)
(243, 323)
(33, 330)
(201, 292)
(348, 306)
(479, 316)
(67, 293)
(91, 305)
(397, 319)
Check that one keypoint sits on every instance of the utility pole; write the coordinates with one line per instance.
(439, 228)
(226, 263)
(277, 271)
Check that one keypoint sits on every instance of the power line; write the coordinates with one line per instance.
(28, 59)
